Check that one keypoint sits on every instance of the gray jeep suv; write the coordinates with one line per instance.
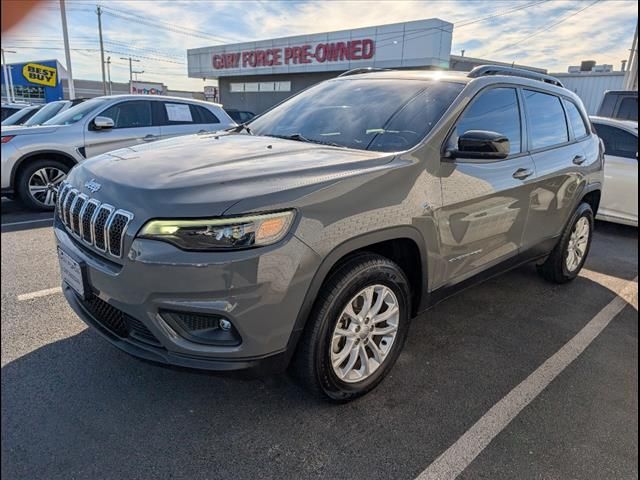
(312, 236)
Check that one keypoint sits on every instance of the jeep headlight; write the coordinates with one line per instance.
(221, 233)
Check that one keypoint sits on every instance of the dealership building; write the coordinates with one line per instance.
(254, 76)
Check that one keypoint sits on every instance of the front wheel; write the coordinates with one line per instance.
(356, 330)
(37, 184)
(568, 257)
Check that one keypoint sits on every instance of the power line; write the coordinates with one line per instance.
(537, 32)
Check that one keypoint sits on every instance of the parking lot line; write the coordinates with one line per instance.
(39, 293)
(459, 455)
(26, 222)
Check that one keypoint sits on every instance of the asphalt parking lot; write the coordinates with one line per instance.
(75, 407)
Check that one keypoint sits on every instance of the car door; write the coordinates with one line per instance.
(620, 192)
(485, 202)
(132, 126)
(560, 160)
(176, 118)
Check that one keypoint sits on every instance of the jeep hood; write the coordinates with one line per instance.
(208, 173)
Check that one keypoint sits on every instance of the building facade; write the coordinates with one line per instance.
(34, 82)
(254, 76)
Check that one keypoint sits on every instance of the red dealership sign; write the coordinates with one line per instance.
(296, 55)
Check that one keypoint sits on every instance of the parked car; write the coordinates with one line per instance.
(36, 159)
(239, 116)
(9, 109)
(52, 109)
(620, 104)
(21, 116)
(314, 235)
(619, 202)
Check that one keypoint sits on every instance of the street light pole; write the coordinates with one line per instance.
(104, 84)
(67, 53)
(8, 81)
(109, 75)
(130, 71)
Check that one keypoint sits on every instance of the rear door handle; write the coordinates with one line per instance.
(579, 159)
(149, 138)
(522, 173)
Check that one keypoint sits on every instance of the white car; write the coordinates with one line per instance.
(619, 201)
(35, 160)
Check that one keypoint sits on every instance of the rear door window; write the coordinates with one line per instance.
(202, 115)
(618, 142)
(575, 118)
(628, 109)
(131, 114)
(547, 122)
(495, 110)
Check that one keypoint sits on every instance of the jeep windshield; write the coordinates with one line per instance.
(368, 114)
(77, 113)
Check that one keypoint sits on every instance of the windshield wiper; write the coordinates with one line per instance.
(301, 138)
(238, 128)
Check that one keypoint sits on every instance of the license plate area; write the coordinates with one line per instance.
(72, 272)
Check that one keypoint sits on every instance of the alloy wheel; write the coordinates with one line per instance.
(578, 242)
(364, 333)
(44, 184)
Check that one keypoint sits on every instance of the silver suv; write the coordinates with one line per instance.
(36, 159)
(313, 235)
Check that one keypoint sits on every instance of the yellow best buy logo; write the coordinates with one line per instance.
(40, 74)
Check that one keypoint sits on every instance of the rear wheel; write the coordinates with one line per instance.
(37, 184)
(356, 330)
(568, 257)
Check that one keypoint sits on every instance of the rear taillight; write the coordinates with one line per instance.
(6, 138)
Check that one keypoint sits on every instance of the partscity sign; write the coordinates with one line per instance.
(297, 55)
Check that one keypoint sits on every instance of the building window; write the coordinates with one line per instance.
(29, 94)
(260, 87)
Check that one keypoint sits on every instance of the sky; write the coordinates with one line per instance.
(551, 34)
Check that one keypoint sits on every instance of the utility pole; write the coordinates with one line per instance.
(130, 71)
(631, 77)
(99, 12)
(109, 75)
(67, 52)
(8, 81)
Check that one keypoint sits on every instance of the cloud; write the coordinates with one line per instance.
(154, 32)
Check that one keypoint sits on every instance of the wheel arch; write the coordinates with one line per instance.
(40, 154)
(400, 244)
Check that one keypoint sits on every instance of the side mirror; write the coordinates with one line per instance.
(103, 123)
(481, 144)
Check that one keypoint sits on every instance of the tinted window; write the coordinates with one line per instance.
(576, 120)
(628, 109)
(20, 116)
(77, 113)
(617, 142)
(8, 111)
(495, 110)
(547, 122)
(359, 113)
(46, 113)
(202, 115)
(134, 114)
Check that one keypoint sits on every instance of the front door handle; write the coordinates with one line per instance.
(579, 159)
(149, 138)
(522, 173)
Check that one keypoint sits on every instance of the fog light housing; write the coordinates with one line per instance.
(203, 328)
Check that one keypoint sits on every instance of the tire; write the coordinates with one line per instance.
(556, 267)
(321, 342)
(28, 174)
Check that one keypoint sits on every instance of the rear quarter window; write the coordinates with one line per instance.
(576, 120)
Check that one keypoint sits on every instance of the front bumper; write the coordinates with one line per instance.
(259, 291)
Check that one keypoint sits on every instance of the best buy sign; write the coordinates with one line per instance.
(40, 74)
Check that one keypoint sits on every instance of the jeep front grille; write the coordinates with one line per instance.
(97, 224)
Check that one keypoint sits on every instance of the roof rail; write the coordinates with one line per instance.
(484, 70)
(356, 71)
